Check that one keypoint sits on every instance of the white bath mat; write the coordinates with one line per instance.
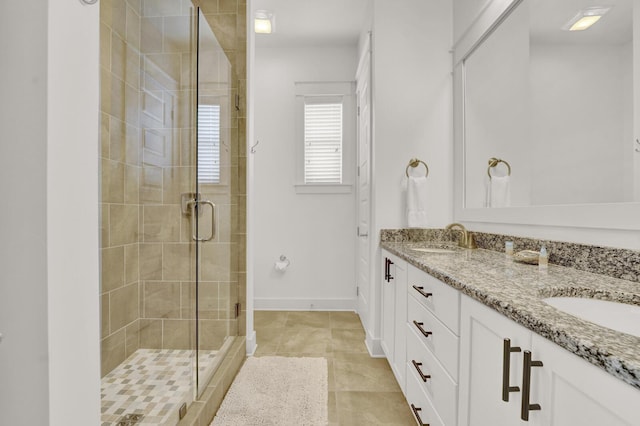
(277, 391)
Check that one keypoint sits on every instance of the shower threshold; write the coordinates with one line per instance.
(153, 383)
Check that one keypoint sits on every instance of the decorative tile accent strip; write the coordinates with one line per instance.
(516, 290)
(153, 383)
(610, 261)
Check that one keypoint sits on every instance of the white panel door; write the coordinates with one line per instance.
(482, 334)
(571, 391)
(363, 94)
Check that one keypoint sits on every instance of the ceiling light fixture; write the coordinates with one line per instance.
(264, 22)
(586, 18)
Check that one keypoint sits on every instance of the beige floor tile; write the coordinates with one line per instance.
(332, 408)
(373, 408)
(348, 340)
(306, 341)
(268, 341)
(362, 390)
(269, 319)
(360, 372)
(316, 319)
(348, 320)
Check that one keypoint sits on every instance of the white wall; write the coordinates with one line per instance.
(315, 231)
(24, 366)
(412, 117)
(49, 358)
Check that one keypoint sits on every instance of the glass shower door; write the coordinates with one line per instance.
(168, 273)
(217, 281)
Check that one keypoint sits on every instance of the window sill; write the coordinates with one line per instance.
(323, 189)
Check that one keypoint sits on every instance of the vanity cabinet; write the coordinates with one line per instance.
(432, 348)
(394, 314)
(485, 369)
(563, 389)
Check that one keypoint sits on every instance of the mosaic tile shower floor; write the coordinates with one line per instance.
(151, 382)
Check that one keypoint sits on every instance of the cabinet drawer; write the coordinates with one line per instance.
(441, 389)
(439, 339)
(443, 301)
(420, 403)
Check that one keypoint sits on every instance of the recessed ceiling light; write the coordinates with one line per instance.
(264, 22)
(586, 18)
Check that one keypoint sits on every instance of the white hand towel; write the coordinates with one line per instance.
(499, 191)
(417, 202)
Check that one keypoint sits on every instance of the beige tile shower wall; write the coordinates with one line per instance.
(147, 159)
(120, 62)
(167, 256)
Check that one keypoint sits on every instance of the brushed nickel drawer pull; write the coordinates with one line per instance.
(415, 413)
(422, 292)
(424, 332)
(423, 376)
(507, 349)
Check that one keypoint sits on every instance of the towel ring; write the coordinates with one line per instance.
(493, 162)
(414, 162)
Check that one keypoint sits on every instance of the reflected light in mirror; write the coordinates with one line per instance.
(585, 18)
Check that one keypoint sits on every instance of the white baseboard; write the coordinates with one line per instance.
(279, 304)
(251, 343)
(374, 346)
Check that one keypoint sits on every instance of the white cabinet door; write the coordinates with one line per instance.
(482, 342)
(571, 391)
(388, 306)
(400, 320)
(394, 314)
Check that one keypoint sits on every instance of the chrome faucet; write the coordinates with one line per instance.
(466, 239)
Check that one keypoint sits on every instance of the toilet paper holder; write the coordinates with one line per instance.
(282, 264)
(283, 258)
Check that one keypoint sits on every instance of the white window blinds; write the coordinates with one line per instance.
(323, 142)
(209, 143)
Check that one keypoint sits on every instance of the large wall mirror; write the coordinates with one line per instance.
(558, 101)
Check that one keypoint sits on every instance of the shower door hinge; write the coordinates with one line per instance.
(237, 310)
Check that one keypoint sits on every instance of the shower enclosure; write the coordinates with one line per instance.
(170, 202)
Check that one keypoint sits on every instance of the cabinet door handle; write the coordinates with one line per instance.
(416, 413)
(423, 376)
(424, 332)
(390, 276)
(422, 292)
(386, 269)
(526, 386)
(507, 349)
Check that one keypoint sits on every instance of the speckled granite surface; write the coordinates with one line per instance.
(614, 262)
(516, 290)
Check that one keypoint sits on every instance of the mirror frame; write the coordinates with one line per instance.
(603, 216)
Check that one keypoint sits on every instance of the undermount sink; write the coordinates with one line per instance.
(432, 250)
(616, 316)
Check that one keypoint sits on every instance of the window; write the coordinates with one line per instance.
(209, 144)
(322, 142)
(325, 140)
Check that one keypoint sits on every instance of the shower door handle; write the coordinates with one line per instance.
(193, 207)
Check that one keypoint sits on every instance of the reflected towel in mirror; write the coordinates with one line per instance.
(417, 202)
(499, 191)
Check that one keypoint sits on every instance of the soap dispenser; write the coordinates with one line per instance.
(543, 258)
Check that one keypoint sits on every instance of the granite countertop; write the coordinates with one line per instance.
(516, 290)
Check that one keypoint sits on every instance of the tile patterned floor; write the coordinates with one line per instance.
(362, 390)
(151, 382)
